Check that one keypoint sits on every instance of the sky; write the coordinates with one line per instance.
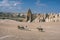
(36, 6)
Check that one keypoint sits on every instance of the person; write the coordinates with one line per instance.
(27, 28)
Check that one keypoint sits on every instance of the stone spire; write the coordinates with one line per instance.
(29, 15)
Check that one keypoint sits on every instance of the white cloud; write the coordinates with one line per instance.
(6, 3)
(10, 5)
(38, 3)
(16, 3)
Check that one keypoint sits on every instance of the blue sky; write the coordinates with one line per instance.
(37, 6)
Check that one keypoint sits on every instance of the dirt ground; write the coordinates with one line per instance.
(10, 31)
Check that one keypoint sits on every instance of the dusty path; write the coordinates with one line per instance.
(9, 31)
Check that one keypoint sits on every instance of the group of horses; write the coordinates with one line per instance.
(26, 28)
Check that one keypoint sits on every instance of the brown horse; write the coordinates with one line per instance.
(21, 27)
(40, 29)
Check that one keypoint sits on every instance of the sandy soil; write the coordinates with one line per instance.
(9, 31)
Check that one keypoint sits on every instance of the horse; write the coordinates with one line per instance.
(40, 29)
(21, 27)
